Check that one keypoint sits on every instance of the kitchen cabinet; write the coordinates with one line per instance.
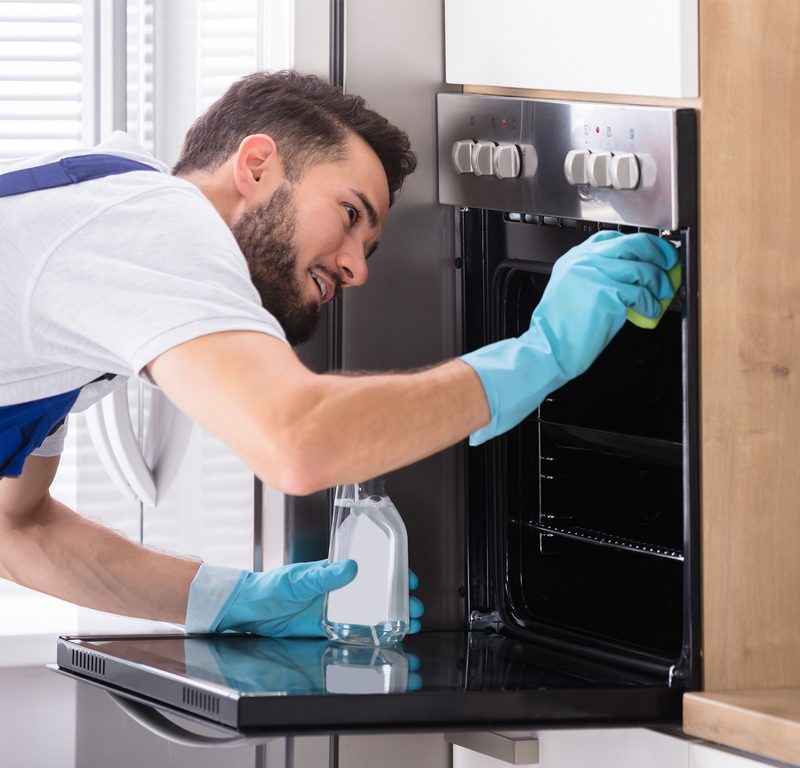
(596, 747)
(621, 46)
(702, 755)
(750, 347)
(37, 718)
(615, 748)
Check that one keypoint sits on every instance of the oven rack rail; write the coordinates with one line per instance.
(598, 538)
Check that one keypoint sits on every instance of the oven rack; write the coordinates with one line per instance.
(599, 538)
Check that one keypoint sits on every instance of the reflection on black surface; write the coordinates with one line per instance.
(300, 666)
(260, 664)
(448, 662)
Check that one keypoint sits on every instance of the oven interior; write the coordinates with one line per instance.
(588, 505)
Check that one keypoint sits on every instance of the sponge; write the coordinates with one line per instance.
(649, 323)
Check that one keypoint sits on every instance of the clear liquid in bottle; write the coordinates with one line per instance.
(367, 528)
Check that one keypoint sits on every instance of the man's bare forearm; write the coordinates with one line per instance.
(52, 549)
(301, 431)
(379, 423)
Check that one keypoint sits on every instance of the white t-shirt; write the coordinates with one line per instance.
(105, 275)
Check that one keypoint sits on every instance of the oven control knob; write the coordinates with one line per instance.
(624, 171)
(575, 166)
(598, 169)
(506, 162)
(462, 156)
(482, 157)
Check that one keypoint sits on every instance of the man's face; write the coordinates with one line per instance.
(314, 236)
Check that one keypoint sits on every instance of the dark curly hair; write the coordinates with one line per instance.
(309, 119)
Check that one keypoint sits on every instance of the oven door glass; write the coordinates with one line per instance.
(594, 538)
(590, 489)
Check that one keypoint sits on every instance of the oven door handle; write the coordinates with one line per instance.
(514, 749)
(155, 722)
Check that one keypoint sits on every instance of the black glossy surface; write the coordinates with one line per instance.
(433, 680)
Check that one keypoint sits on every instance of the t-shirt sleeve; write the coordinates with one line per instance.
(139, 278)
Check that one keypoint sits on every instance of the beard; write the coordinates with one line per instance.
(266, 238)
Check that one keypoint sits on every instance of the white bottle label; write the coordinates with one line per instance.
(365, 600)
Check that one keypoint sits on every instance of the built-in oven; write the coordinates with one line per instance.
(589, 506)
(563, 591)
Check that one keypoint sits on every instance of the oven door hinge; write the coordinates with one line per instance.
(679, 675)
(479, 620)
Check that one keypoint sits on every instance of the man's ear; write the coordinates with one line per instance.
(257, 168)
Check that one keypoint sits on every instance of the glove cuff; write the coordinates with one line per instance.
(516, 374)
(212, 591)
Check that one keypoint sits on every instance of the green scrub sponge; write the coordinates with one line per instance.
(651, 322)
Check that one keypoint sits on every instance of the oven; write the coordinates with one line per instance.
(583, 520)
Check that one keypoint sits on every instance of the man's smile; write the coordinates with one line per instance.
(327, 284)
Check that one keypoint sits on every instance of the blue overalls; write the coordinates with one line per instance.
(24, 426)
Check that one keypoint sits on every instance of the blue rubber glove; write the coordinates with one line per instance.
(583, 307)
(283, 602)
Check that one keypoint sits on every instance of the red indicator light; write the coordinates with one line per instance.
(597, 129)
(503, 122)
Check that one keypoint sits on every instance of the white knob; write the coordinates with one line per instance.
(506, 162)
(462, 156)
(575, 166)
(598, 169)
(482, 156)
(624, 171)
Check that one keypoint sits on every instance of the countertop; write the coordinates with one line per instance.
(763, 722)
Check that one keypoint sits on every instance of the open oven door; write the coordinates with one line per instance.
(248, 685)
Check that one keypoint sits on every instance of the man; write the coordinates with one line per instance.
(279, 198)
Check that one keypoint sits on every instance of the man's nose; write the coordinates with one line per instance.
(352, 263)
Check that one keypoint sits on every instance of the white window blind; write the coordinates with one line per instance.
(140, 58)
(42, 55)
(227, 45)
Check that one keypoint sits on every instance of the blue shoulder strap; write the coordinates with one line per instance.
(24, 426)
(68, 170)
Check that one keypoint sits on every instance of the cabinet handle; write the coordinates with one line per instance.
(515, 750)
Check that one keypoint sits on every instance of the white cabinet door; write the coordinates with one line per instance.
(594, 748)
(711, 756)
(619, 46)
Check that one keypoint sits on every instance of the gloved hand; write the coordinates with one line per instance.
(283, 602)
(583, 307)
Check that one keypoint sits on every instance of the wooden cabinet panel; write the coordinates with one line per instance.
(764, 722)
(750, 344)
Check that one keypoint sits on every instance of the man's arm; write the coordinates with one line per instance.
(302, 431)
(48, 547)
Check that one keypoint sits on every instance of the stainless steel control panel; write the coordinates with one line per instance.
(579, 160)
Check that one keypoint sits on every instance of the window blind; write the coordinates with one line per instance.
(228, 45)
(41, 76)
(140, 58)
